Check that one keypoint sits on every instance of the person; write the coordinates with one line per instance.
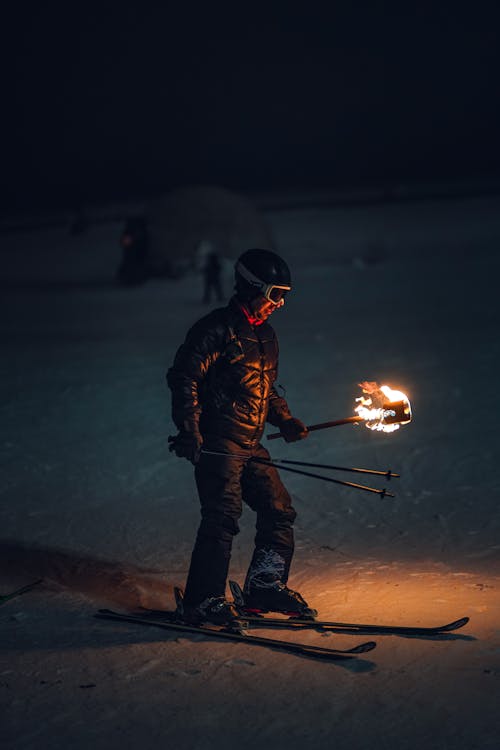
(134, 241)
(223, 393)
(211, 278)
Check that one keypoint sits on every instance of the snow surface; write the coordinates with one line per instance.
(94, 503)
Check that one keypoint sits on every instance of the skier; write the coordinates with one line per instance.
(134, 240)
(222, 384)
(211, 278)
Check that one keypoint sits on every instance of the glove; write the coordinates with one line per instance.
(293, 429)
(186, 445)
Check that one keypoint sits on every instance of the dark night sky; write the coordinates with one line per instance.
(114, 103)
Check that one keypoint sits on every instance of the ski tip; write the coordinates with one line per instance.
(455, 625)
(362, 648)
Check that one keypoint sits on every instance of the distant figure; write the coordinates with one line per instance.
(135, 245)
(211, 278)
(79, 223)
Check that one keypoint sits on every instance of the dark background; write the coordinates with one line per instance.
(125, 101)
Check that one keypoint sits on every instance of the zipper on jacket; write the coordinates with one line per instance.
(261, 378)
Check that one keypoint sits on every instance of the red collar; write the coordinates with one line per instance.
(251, 319)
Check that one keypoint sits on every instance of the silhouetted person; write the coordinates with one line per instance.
(79, 223)
(212, 278)
(135, 245)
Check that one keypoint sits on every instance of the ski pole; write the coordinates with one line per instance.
(387, 474)
(383, 493)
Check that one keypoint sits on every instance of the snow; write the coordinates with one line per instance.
(94, 503)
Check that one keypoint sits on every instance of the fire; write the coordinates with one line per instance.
(383, 408)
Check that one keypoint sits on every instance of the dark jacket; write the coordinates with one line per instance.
(222, 379)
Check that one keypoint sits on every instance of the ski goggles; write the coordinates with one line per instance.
(275, 293)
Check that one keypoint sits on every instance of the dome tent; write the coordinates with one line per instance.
(187, 223)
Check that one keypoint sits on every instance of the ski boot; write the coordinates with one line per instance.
(276, 597)
(216, 610)
(265, 588)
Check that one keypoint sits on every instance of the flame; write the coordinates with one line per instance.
(375, 407)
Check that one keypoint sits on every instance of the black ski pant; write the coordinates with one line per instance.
(224, 483)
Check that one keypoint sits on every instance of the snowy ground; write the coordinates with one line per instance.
(94, 503)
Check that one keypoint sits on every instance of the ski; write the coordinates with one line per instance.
(303, 624)
(304, 649)
(254, 619)
(250, 619)
(23, 590)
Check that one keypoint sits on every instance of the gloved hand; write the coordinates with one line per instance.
(186, 445)
(293, 429)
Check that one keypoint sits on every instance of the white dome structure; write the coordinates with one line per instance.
(188, 222)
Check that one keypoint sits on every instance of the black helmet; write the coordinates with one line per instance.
(262, 272)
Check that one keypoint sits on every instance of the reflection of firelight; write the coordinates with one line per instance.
(383, 408)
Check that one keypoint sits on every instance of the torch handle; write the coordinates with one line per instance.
(322, 426)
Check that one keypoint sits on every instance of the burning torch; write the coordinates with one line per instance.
(380, 408)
